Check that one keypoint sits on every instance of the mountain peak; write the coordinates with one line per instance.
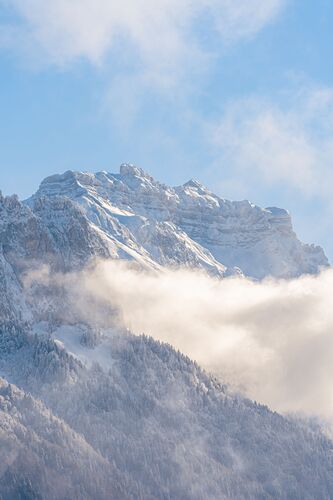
(195, 184)
(278, 212)
(128, 169)
(68, 175)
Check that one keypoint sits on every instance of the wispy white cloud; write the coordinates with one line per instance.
(158, 35)
(288, 142)
(242, 18)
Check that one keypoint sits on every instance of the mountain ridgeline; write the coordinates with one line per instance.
(140, 218)
(93, 413)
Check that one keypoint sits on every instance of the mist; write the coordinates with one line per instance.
(271, 340)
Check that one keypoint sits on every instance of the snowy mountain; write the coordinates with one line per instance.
(186, 225)
(76, 216)
(96, 413)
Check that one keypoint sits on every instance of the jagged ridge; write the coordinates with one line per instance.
(203, 229)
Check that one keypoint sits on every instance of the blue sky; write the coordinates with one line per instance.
(238, 94)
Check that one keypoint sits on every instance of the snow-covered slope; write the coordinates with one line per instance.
(187, 225)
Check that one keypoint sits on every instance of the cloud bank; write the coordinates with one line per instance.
(272, 340)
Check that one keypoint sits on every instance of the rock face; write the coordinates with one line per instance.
(202, 229)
